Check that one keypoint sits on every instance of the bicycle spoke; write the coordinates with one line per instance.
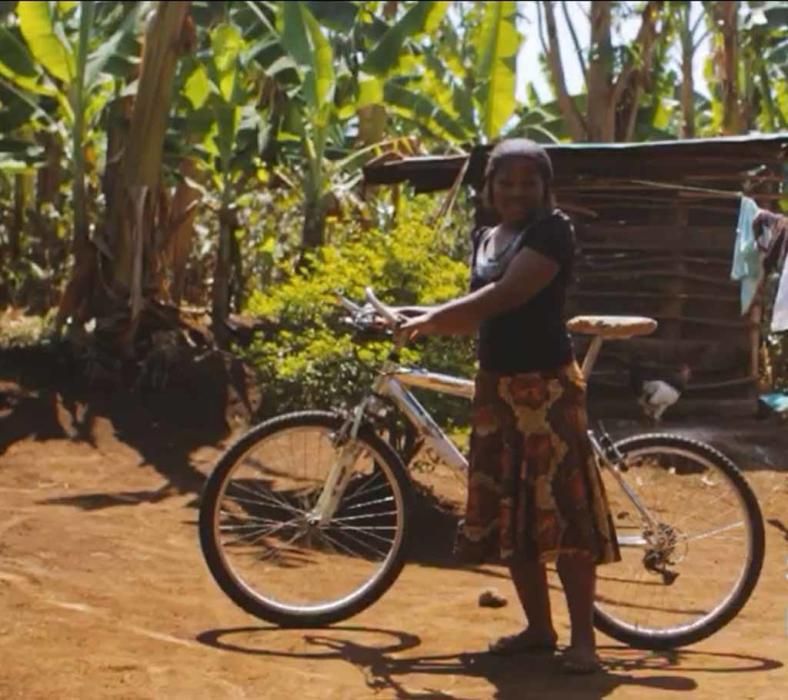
(348, 528)
(276, 551)
(363, 517)
(339, 544)
(699, 551)
(255, 523)
(259, 502)
(365, 488)
(270, 499)
(680, 523)
(711, 533)
(368, 546)
(259, 534)
(387, 499)
(250, 518)
(271, 546)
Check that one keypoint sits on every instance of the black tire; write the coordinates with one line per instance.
(255, 604)
(747, 582)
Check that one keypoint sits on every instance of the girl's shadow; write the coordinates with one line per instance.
(520, 677)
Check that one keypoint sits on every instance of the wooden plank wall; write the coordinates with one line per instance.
(671, 263)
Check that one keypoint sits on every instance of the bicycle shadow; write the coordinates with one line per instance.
(384, 668)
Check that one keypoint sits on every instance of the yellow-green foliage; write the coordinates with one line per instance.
(312, 359)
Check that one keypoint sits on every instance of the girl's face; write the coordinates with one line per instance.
(517, 189)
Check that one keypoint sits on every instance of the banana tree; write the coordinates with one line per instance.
(449, 71)
(26, 123)
(764, 66)
(616, 78)
(724, 17)
(59, 61)
(326, 99)
(361, 74)
(313, 58)
(230, 132)
(690, 33)
(115, 278)
(746, 68)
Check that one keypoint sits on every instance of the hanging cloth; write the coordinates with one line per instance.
(780, 310)
(747, 266)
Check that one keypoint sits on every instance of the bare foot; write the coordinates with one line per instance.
(580, 660)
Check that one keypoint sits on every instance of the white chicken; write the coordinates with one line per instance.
(656, 394)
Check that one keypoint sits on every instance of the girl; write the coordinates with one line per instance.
(534, 493)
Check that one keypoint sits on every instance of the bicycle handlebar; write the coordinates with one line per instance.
(381, 308)
(349, 305)
(374, 315)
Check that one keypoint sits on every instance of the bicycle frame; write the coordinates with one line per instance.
(391, 384)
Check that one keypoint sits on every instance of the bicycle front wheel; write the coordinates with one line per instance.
(689, 573)
(270, 557)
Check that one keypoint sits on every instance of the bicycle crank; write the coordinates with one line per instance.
(657, 559)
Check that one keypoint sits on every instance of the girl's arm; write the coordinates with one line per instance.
(527, 274)
(413, 310)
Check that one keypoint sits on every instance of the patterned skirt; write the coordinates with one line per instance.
(534, 490)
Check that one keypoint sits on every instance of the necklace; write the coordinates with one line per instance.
(495, 256)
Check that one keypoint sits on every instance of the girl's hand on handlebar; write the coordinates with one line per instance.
(415, 327)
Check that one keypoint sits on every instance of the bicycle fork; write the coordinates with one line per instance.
(341, 471)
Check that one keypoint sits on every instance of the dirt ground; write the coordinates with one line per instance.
(104, 593)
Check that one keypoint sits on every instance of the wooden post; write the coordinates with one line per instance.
(756, 314)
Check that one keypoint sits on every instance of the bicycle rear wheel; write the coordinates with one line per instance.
(683, 580)
(260, 545)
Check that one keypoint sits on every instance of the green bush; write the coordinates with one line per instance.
(311, 359)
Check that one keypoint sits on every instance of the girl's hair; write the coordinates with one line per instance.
(519, 148)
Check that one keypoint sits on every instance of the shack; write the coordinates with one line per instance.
(656, 227)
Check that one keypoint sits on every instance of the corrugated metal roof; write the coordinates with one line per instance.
(753, 138)
(653, 160)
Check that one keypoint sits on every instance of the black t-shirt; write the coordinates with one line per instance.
(532, 336)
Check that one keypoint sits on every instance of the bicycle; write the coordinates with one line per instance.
(273, 537)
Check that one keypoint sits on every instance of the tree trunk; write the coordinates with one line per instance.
(687, 77)
(552, 48)
(313, 233)
(180, 230)
(600, 118)
(635, 76)
(83, 297)
(117, 132)
(50, 250)
(133, 221)
(79, 200)
(131, 240)
(221, 276)
(18, 218)
(687, 99)
(726, 19)
(237, 281)
(612, 102)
